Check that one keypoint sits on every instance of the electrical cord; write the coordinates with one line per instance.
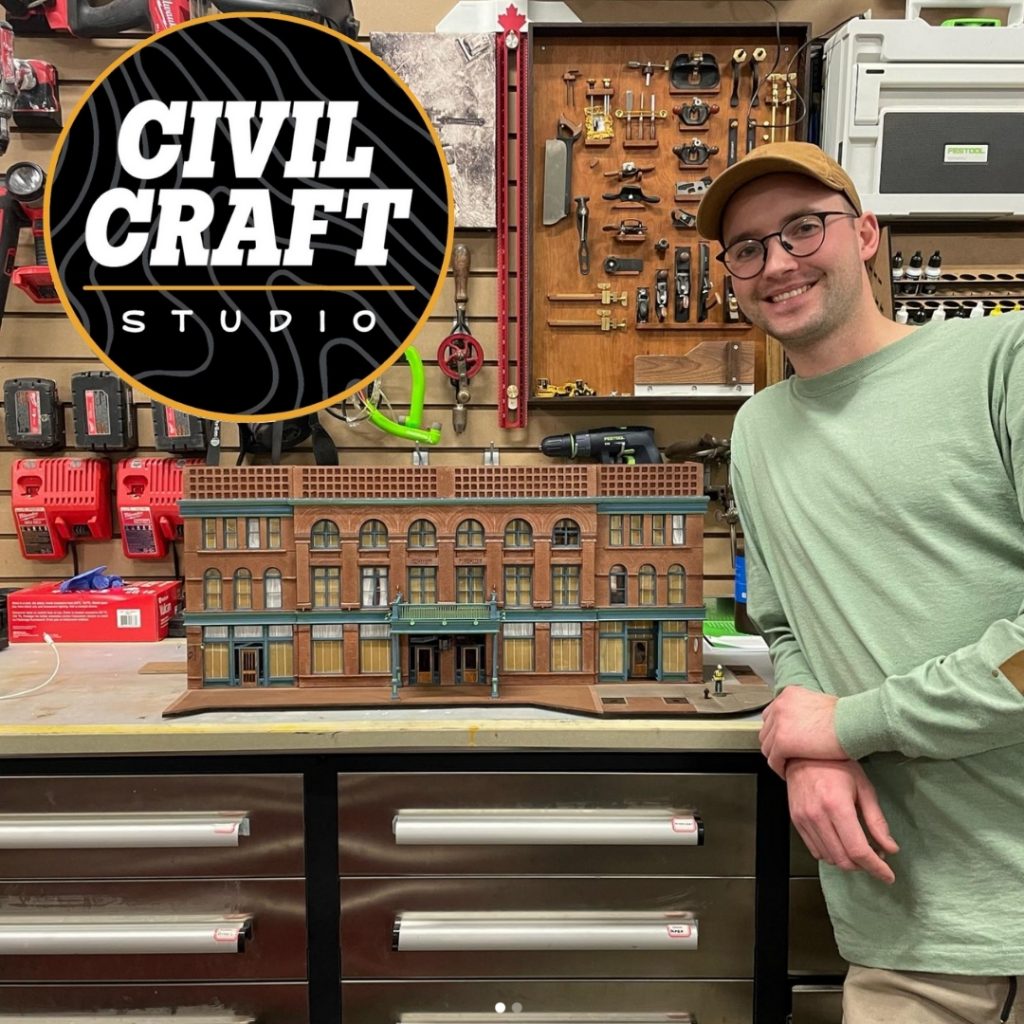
(56, 668)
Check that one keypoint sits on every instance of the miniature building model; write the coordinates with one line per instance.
(316, 585)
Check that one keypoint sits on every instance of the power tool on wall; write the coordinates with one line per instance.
(627, 445)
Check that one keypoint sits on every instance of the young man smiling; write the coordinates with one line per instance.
(881, 491)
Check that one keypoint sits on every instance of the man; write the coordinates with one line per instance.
(881, 491)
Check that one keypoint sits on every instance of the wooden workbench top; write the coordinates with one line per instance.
(109, 699)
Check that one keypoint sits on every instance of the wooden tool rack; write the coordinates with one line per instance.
(647, 113)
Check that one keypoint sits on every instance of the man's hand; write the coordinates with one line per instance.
(800, 723)
(828, 802)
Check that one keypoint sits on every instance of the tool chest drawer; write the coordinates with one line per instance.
(547, 927)
(151, 826)
(812, 944)
(155, 1004)
(152, 930)
(477, 1002)
(817, 1004)
(541, 823)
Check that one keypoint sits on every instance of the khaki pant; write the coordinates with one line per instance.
(874, 996)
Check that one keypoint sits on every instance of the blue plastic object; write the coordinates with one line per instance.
(91, 579)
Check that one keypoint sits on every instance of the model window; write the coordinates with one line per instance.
(375, 586)
(209, 533)
(373, 535)
(469, 584)
(213, 595)
(423, 534)
(231, 533)
(274, 532)
(518, 586)
(679, 529)
(518, 534)
(375, 647)
(326, 586)
(647, 578)
(249, 632)
(566, 646)
(280, 653)
(252, 533)
(611, 650)
(565, 586)
(566, 534)
(216, 661)
(636, 531)
(470, 534)
(325, 536)
(422, 584)
(517, 648)
(676, 584)
(657, 529)
(673, 648)
(272, 588)
(617, 583)
(615, 531)
(243, 589)
(328, 647)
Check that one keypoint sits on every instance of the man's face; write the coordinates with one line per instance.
(799, 300)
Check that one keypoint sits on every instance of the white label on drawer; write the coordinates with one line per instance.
(679, 931)
(684, 824)
(225, 935)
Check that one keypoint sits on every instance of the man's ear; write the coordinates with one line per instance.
(868, 234)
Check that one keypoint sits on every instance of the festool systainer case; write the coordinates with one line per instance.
(928, 120)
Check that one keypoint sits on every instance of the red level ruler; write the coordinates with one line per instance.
(512, 254)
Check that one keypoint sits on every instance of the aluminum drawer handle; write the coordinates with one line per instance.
(548, 827)
(138, 1017)
(42, 935)
(121, 831)
(673, 1017)
(479, 932)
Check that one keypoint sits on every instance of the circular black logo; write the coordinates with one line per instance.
(249, 217)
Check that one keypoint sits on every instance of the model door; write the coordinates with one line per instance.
(469, 664)
(638, 657)
(424, 664)
(248, 665)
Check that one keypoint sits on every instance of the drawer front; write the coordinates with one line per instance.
(812, 945)
(106, 826)
(267, 1004)
(645, 826)
(68, 931)
(709, 1002)
(801, 863)
(817, 1004)
(373, 910)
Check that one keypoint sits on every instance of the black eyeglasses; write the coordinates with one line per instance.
(802, 236)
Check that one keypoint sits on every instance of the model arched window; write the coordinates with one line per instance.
(647, 578)
(518, 534)
(272, 588)
(676, 584)
(422, 534)
(243, 589)
(618, 580)
(566, 534)
(470, 534)
(373, 535)
(213, 591)
(325, 535)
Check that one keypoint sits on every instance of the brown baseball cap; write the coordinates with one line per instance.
(774, 158)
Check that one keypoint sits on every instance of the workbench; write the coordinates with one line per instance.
(326, 904)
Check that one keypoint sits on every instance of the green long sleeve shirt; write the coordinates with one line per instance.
(883, 515)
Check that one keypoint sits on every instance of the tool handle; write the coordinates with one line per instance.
(460, 271)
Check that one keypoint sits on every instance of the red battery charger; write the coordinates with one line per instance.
(56, 501)
(148, 492)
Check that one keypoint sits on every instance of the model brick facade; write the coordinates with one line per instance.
(349, 577)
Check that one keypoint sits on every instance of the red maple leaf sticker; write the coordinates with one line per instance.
(511, 20)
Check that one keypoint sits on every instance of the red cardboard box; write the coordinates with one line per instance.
(136, 612)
